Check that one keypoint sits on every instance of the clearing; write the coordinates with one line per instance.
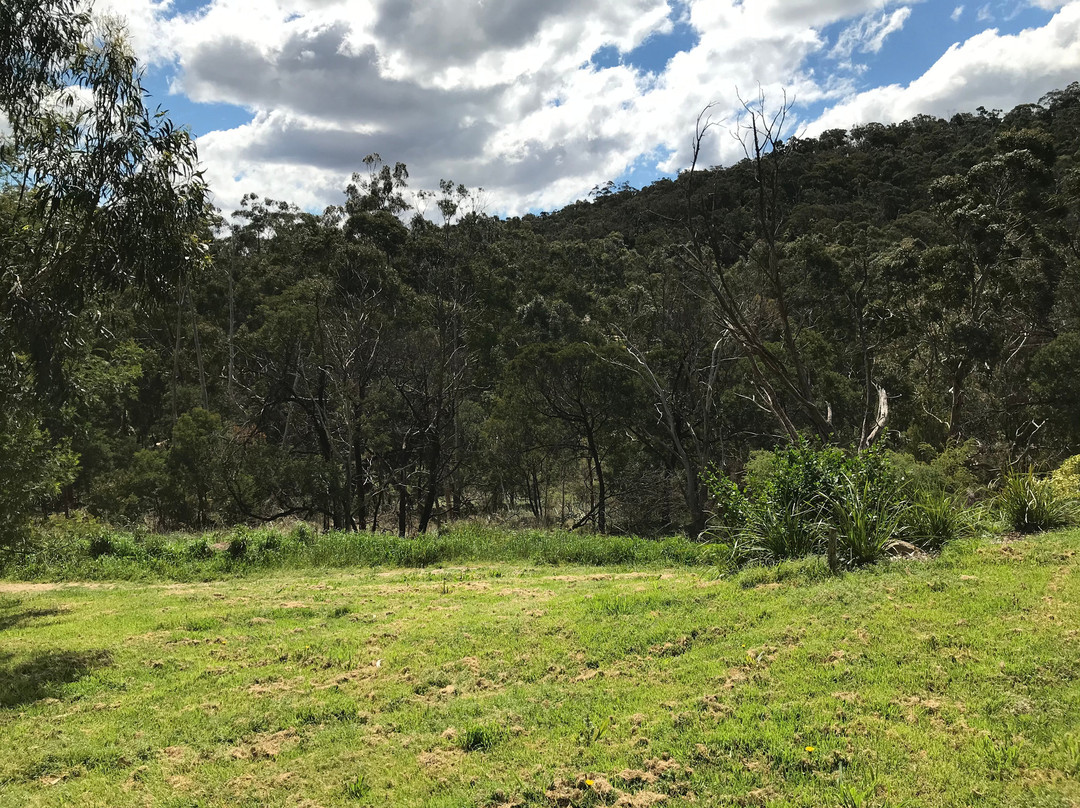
(947, 682)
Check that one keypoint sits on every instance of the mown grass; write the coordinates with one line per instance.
(92, 552)
(949, 682)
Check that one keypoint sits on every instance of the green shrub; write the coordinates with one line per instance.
(269, 543)
(238, 547)
(1066, 478)
(935, 520)
(867, 519)
(200, 549)
(1030, 505)
(798, 495)
(101, 544)
(784, 531)
(948, 473)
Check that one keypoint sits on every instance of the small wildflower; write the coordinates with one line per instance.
(590, 782)
(809, 749)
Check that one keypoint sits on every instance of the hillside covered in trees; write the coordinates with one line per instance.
(389, 364)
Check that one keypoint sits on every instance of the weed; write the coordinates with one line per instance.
(936, 520)
(595, 729)
(238, 547)
(1068, 749)
(200, 550)
(789, 531)
(1000, 760)
(480, 738)
(100, 545)
(852, 796)
(357, 788)
(867, 521)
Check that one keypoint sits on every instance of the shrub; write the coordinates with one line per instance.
(948, 473)
(731, 508)
(1030, 505)
(200, 549)
(238, 547)
(797, 495)
(866, 520)
(792, 530)
(935, 520)
(1066, 478)
(101, 544)
(270, 542)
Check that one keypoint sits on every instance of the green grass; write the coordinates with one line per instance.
(71, 550)
(949, 682)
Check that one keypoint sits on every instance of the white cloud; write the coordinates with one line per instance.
(502, 94)
(957, 13)
(868, 34)
(990, 69)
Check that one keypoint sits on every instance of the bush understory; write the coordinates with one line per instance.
(835, 510)
(70, 550)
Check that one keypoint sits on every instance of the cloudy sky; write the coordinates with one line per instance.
(537, 101)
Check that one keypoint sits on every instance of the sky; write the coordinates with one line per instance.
(538, 101)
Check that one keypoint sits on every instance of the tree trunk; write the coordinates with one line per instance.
(403, 509)
(601, 494)
(434, 457)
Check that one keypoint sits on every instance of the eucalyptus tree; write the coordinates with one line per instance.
(744, 245)
(98, 194)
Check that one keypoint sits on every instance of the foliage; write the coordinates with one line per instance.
(868, 519)
(935, 520)
(947, 473)
(1065, 479)
(799, 495)
(608, 366)
(1030, 504)
(98, 195)
(69, 549)
(33, 468)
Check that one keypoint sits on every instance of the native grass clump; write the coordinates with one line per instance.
(1031, 504)
(854, 508)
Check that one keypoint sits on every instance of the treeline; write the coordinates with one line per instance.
(382, 366)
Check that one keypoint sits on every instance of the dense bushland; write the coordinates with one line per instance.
(911, 287)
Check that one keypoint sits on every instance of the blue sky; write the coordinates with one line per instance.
(539, 102)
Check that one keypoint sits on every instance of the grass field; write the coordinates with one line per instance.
(954, 681)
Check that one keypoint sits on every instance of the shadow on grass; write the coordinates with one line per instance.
(17, 619)
(43, 675)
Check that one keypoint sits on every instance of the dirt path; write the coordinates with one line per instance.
(24, 587)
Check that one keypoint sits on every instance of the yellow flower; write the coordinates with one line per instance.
(809, 749)
(590, 782)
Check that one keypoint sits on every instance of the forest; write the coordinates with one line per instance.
(404, 359)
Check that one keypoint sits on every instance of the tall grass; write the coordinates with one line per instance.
(1029, 504)
(100, 553)
(792, 530)
(867, 519)
(935, 520)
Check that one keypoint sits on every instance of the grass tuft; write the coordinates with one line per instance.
(1031, 505)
